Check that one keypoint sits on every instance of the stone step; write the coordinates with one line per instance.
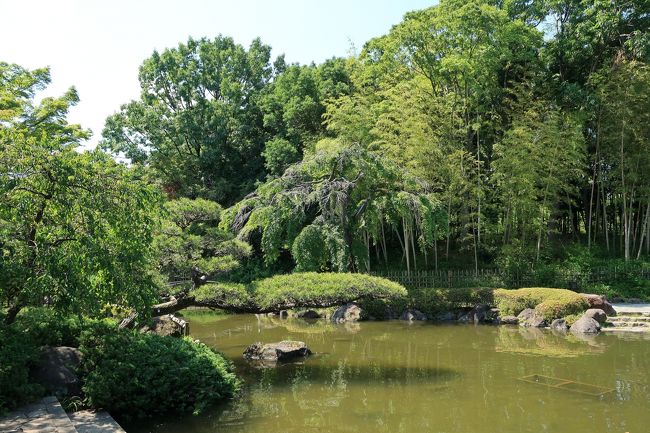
(627, 329)
(86, 421)
(44, 416)
(617, 324)
(629, 318)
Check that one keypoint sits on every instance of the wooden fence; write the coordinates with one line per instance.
(492, 278)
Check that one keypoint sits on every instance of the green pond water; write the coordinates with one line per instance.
(396, 377)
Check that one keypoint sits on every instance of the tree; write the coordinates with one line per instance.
(190, 244)
(75, 228)
(344, 199)
(198, 123)
(623, 156)
(537, 166)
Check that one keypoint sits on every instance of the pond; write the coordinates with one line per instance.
(400, 377)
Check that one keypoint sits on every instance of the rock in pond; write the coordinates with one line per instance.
(277, 352)
(585, 325)
(530, 318)
(559, 325)
(413, 315)
(597, 314)
(347, 313)
(56, 370)
(600, 302)
(449, 316)
(309, 314)
(478, 314)
(508, 320)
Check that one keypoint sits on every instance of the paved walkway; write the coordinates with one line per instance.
(47, 416)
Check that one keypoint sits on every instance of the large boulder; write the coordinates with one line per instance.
(600, 302)
(585, 325)
(56, 370)
(347, 313)
(168, 325)
(531, 318)
(277, 352)
(597, 314)
(413, 315)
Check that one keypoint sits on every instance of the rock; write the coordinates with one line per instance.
(284, 314)
(530, 318)
(508, 320)
(559, 325)
(309, 314)
(168, 325)
(585, 325)
(599, 302)
(347, 313)
(449, 316)
(277, 352)
(412, 315)
(597, 314)
(56, 370)
(478, 314)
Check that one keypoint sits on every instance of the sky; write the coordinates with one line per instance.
(97, 46)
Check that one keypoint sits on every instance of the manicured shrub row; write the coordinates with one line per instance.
(302, 289)
(136, 375)
(306, 289)
(550, 303)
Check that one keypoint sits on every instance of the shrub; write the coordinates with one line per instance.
(18, 353)
(138, 375)
(430, 301)
(550, 303)
(311, 289)
(48, 328)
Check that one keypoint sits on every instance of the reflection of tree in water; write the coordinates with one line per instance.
(538, 342)
(312, 394)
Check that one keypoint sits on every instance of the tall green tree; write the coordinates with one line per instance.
(75, 228)
(198, 123)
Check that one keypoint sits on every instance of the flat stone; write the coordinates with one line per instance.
(277, 352)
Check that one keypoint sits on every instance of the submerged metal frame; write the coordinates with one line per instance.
(569, 385)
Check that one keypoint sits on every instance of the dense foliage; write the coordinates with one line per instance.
(142, 375)
(18, 354)
(512, 126)
(75, 227)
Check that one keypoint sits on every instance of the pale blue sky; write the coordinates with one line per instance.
(97, 46)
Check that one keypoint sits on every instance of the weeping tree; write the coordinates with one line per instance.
(336, 206)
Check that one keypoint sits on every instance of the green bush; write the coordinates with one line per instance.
(550, 303)
(430, 301)
(311, 289)
(137, 375)
(47, 328)
(18, 352)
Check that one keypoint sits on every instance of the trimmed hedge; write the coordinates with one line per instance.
(550, 303)
(311, 289)
(137, 375)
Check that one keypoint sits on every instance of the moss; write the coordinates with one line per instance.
(550, 303)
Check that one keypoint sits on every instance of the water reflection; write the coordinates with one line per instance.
(391, 377)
